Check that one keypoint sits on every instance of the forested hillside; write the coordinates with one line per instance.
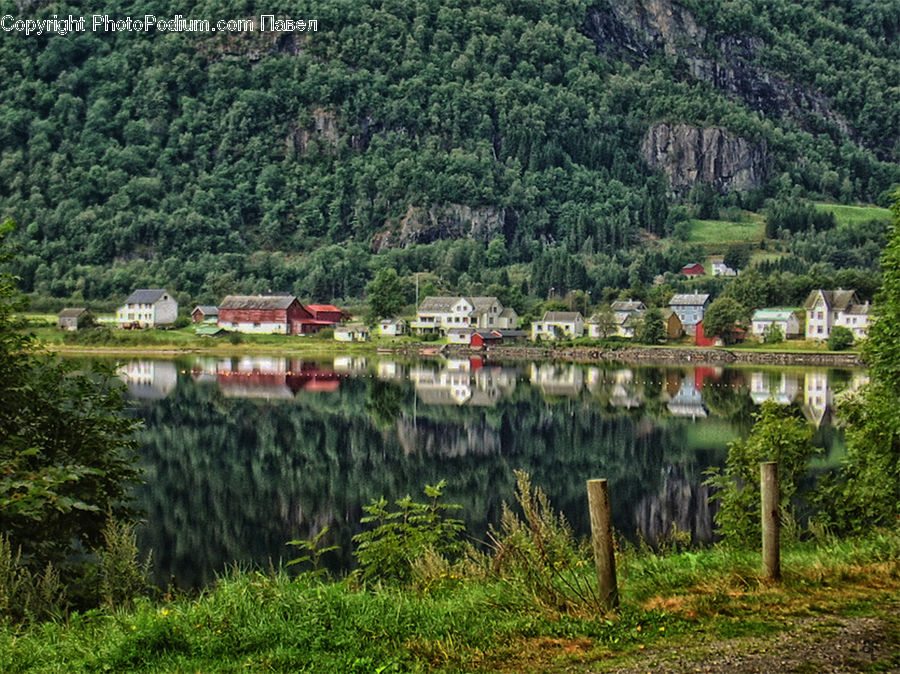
(457, 137)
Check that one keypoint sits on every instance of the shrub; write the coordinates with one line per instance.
(773, 334)
(400, 537)
(539, 555)
(779, 435)
(840, 338)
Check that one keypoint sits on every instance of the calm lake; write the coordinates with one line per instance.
(243, 454)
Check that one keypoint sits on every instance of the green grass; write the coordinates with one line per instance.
(271, 622)
(721, 233)
(849, 216)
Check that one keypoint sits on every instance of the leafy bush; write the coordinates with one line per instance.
(773, 334)
(840, 338)
(400, 537)
(779, 435)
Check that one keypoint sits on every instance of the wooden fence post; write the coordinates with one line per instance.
(771, 519)
(602, 539)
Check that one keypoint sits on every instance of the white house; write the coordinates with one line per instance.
(719, 268)
(392, 327)
(828, 308)
(354, 332)
(690, 309)
(460, 335)
(440, 314)
(558, 325)
(626, 313)
(787, 320)
(148, 308)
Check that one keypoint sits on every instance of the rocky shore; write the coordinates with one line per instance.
(701, 356)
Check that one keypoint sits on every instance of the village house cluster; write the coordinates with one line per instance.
(482, 321)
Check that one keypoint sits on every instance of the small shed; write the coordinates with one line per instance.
(392, 327)
(355, 332)
(674, 328)
(68, 318)
(205, 313)
(693, 269)
(482, 338)
(460, 336)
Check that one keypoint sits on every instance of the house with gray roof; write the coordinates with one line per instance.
(440, 314)
(205, 313)
(68, 318)
(690, 309)
(828, 308)
(148, 308)
(558, 325)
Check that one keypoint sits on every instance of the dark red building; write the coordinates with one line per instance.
(694, 269)
(326, 312)
(264, 314)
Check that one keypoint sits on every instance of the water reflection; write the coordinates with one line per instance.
(245, 453)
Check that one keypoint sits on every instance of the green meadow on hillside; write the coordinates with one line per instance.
(854, 215)
(720, 233)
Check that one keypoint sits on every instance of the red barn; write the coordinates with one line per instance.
(326, 312)
(264, 314)
(700, 338)
(693, 269)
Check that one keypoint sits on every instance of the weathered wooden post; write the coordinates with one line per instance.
(771, 519)
(602, 539)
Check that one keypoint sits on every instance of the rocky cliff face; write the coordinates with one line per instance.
(635, 30)
(446, 221)
(691, 154)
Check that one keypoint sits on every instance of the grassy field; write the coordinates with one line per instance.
(671, 603)
(716, 235)
(849, 216)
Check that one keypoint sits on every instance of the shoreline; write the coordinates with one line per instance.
(663, 355)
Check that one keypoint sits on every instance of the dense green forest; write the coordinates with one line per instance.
(489, 143)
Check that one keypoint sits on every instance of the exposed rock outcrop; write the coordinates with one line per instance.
(450, 221)
(690, 154)
(324, 126)
(635, 30)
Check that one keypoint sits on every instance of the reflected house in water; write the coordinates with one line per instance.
(266, 377)
(351, 365)
(149, 379)
(818, 399)
(390, 370)
(782, 387)
(555, 379)
(463, 382)
(686, 399)
(624, 392)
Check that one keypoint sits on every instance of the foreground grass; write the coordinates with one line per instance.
(257, 622)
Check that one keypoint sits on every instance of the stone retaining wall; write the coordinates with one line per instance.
(663, 355)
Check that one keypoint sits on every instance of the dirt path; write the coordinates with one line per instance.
(824, 644)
